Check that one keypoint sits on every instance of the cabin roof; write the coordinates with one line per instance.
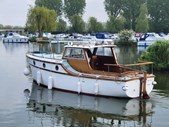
(87, 46)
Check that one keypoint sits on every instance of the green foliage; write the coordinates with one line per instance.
(1, 26)
(113, 7)
(159, 18)
(100, 27)
(120, 21)
(142, 20)
(125, 37)
(61, 26)
(74, 7)
(94, 25)
(111, 25)
(114, 25)
(131, 12)
(56, 5)
(128, 9)
(159, 54)
(41, 19)
(123, 14)
(77, 24)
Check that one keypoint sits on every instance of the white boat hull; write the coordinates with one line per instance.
(44, 72)
(15, 40)
(146, 43)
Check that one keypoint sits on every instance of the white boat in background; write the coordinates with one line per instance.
(148, 39)
(97, 37)
(103, 37)
(1, 36)
(97, 110)
(15, 38)
(90, 69)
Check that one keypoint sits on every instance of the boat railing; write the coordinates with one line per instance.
(138, 66)
(42, 50)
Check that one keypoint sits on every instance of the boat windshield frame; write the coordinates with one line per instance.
(73, 53)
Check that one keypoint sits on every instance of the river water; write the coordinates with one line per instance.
(25, 104)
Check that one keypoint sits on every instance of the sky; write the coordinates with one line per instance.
(14, 12)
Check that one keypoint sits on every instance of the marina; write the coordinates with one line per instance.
(24, 103)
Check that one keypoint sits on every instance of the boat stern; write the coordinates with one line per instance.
(137, 88)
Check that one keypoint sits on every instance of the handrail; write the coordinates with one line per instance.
(131, 65)
(127, 65)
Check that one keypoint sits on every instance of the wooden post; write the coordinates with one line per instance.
(143, 92)
(145, 95)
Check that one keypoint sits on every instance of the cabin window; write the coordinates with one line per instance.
(75, 53)
(104, 52)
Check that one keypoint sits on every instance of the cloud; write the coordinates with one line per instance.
(14, 12)
(95, 8)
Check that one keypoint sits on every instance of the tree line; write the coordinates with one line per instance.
(138, 15)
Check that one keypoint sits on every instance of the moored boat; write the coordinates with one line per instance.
(148, 39)
(15, 38)
(90, 69)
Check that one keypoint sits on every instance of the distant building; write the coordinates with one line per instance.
(17, 30)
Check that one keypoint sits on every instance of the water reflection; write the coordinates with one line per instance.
(163, 83)
(127, 55)
(141, 49)
(67, 109)
(14, 47)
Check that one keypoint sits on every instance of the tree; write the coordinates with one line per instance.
(115, 25)
(77, 24)
(100, 27)
(8, 27)
(94, 25)
(159, 16)
(131, 12)
(126, 8)
(61, 26)
(74, 7)
(113, 7)
(56, 5)
(142, 20)
(41, 19)
(1, 26)
(120, 21)
(110, 25)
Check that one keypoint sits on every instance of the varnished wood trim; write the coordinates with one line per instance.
(85, 75)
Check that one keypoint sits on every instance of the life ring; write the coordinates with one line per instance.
(70, 43)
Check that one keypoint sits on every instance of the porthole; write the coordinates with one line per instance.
(56, 67)
(34, 63)
(44, 65)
